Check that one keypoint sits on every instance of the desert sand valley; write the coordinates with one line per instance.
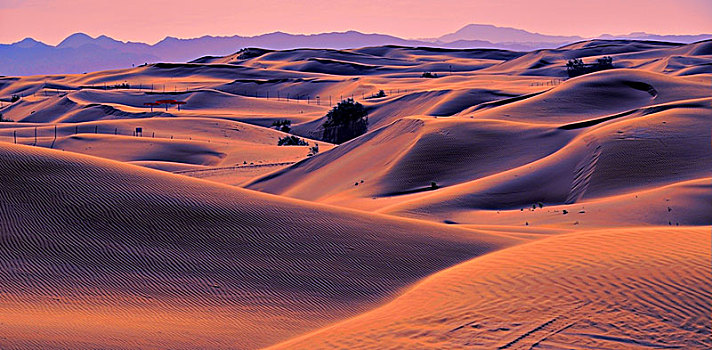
(493, 203)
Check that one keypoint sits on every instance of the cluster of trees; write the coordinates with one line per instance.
(576, 66)
(429, 75)
(347, 120)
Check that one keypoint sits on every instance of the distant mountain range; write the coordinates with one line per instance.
(81, 53)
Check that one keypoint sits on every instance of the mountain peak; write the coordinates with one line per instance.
(494, 34)
(27, 43)
(76, 40)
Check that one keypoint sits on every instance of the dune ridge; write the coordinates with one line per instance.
(620, 288)
(494, 201)
(142, 246)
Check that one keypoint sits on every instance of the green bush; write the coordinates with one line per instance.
(576, 67)
(347, 120)
(313, 150)
(291, 140)
(282, 125)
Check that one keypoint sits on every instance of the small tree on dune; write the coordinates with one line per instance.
(291, 140)
(282, 125)
(313, 150)
(347, 120)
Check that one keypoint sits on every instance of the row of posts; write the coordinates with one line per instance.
(137, 133)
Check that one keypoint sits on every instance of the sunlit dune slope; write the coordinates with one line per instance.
(571, 143)
(102, 254)
(597, 94)
(686, 203)
(408, 155)
(649, 148)
(615, 289)
(182, 142)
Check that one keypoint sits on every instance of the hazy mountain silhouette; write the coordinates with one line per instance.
(81, 53)
(658, 37)
(496, 34)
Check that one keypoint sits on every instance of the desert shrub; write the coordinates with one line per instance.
(380, 94)
(429, 75)
(282, 125)
(347, 120)
(313, 150)
(291, 140)
(250, 52)
(576, 66)
(14, 98)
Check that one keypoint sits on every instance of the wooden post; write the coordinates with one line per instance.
(14, 136)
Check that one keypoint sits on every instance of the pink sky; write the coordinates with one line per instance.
(150, 21)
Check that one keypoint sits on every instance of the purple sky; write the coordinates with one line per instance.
(150, 21)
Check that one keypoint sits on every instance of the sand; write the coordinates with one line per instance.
(608, 289)
(143, 252)
(499, 205)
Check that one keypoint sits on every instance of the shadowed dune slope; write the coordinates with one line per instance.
(686, 203)
(409, 154)
(597, 94)
(615, 289)
(102, 254)
(646, 149)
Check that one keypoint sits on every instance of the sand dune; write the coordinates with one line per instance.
(249, 266)
(627, 288)
(401, 158)
(638, 152)
(493, 203)
(167, 143)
